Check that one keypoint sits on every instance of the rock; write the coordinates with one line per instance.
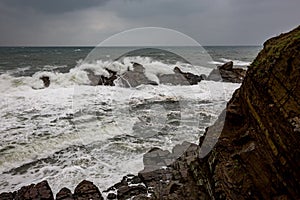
(38, 191)
(180, 78)
(64, 194)
(135, 77)
(111, 196)
(87, 190)
(46, 80)
(7, 196)
(101, 79)
(227, 73)
(255, 157)
(126, 192)
(227, 66)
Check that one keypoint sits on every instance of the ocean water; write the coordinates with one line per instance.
(72, 131)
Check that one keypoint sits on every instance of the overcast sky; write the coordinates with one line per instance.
(88, 22)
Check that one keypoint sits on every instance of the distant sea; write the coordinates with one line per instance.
(72, 131)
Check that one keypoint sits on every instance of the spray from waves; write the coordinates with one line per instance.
(79, 74)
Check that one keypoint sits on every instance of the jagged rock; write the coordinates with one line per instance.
(100, 79)
(87, 190)
(227, 73)
(135, 77)
(180, 78)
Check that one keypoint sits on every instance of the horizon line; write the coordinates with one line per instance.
(91, 46)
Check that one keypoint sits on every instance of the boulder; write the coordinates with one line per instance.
(87, 190)
(64, 194)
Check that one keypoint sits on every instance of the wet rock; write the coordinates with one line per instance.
(7, 196)
(46, 80)
(87, 190)
(180, 78)
(33, 191)
(135, 77)
(111, 196)
(101, 79)
(64, 194)
(227, 73)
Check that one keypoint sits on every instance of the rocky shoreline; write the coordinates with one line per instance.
(257, 155)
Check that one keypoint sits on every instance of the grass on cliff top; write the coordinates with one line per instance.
(274, 47)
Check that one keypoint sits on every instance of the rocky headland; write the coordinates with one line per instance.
(256, 156)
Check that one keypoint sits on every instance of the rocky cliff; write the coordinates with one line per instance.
(257, 155)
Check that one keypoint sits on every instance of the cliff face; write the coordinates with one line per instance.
(258, 155)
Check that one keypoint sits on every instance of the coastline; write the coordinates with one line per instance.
(255, 157)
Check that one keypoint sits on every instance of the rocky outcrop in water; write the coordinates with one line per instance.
(137, 76)
(227, 73)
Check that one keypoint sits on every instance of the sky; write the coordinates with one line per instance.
(89, 22)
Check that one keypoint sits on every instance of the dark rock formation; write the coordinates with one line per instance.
(46, 80)
(227, 73)
(136, 77)
(38, 191)
(180, 78)
(85, 190)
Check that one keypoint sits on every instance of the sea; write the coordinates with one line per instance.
(72, 130)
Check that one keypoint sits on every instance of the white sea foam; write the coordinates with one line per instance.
(237, 62)
(67, 134)
(72, 131)
(79, 75)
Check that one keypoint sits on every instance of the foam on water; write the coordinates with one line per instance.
(79, 75)
(73, 131)
(70, 132)
(237, 62)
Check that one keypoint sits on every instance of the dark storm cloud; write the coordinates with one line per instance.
(53, 6)
(88, 22)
